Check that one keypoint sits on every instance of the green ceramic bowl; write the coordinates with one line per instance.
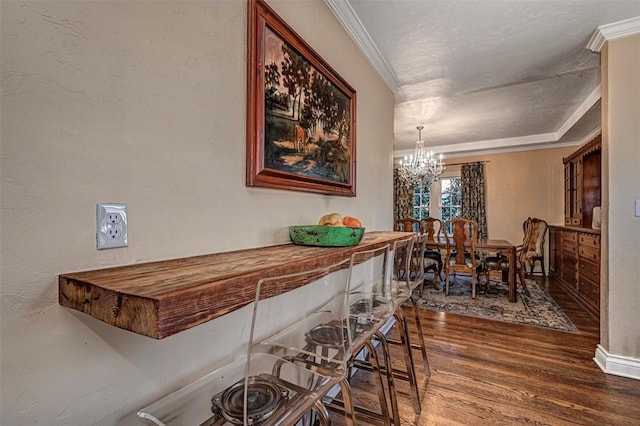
(325, 236)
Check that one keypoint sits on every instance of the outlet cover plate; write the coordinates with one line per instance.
(111, 225)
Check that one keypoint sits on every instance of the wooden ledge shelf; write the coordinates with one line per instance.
(158, 299)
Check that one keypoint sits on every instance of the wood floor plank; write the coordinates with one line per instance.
(485, 372)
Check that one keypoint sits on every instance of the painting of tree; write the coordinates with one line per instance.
(308, 116)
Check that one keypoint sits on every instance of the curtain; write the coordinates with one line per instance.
(473, 199)
(402, 197)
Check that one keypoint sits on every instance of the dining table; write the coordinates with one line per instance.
(502, 246)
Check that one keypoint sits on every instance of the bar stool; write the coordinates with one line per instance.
(401, 289)
(408, 275)
(273, 382)
(416, 279)
(337, 332)
(371, 305)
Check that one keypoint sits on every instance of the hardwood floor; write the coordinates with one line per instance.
(494, 373)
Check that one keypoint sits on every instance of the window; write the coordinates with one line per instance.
(450, 198)
(421, 202)
(445, 195)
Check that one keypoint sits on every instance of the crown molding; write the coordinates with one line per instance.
(503, 146)
(492, 144)
(612, 31)
(521, 143)
(552, 145)
(352, 24)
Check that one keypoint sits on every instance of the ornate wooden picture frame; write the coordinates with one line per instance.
(301, 132)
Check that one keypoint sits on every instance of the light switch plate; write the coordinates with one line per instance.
(637, 208)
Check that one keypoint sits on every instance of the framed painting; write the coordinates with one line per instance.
(300, 112)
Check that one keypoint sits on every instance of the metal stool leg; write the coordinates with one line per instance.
(322, 413)
(349, 410)
(379, 385)
(403, 331)
(423, 347)
(389, 370)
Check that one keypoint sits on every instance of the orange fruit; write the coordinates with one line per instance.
(351, 222)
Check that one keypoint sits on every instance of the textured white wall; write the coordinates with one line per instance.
(141, 103)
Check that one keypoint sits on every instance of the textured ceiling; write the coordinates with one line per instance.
(482, 75)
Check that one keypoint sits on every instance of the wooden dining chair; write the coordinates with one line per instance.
(432, 256)
(408, 224)
(534, 250)
(461, 250)
(500, 262)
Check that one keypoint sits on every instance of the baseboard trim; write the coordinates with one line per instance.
(617, 365)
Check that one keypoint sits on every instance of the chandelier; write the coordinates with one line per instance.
(421, 168)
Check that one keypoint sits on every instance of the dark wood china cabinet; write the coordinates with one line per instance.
(575, 247)
(582, 184)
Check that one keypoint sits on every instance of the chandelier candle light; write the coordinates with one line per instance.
(422, 167)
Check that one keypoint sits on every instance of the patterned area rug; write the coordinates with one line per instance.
(538, 310)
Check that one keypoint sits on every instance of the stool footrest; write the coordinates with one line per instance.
(399, 374)
(364, 414)
(398, 343)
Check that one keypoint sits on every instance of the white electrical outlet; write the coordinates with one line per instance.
(111, 226)
(114, 218)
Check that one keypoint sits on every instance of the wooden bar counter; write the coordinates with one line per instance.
(158, 299)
